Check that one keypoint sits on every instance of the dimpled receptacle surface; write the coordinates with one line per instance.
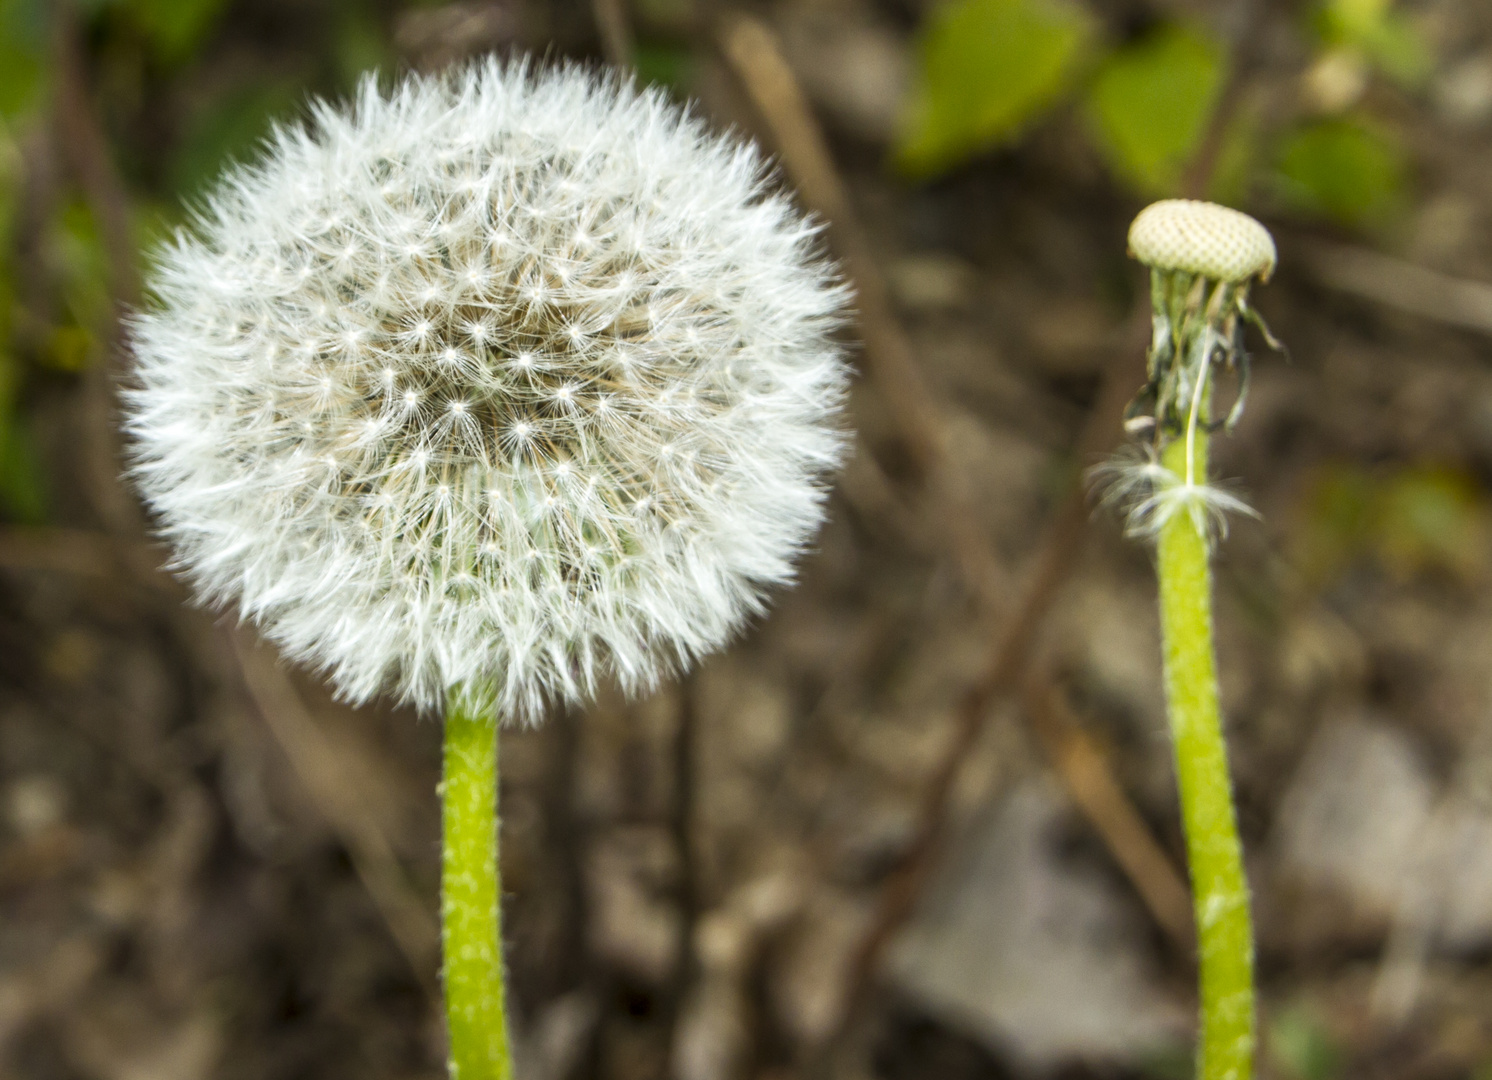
(1203, 238)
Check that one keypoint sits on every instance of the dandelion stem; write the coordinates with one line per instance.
(470, 912)
(1219, 890)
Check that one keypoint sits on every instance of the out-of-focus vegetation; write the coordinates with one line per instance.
(992, 69)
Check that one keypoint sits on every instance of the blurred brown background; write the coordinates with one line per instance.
(920, 821)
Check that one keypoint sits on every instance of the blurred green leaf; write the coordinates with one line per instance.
(76, 249)
(1433, 519)
(988, 67)
(174, 28)
(1385, 36)
(23, 42)
(231, 130)
(10, 187)
(70, 348)
(1175, 1062)
(665, 65)
(1150, 103)
(1333, 526)
(1343, 170)
(1416, 520)
(1236, 167)
(360, 46)
(23, 493)
(1300, 1046)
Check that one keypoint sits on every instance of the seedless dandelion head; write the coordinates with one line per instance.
(1204, 238)
(505, 380)
(1203, 259)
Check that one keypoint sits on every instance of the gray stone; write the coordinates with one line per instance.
(1355, 813)
(1038, 958)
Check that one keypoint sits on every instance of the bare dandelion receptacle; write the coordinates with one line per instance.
(1202, 238)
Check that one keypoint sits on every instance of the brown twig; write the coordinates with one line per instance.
(67, 551)
(1199, 172)
(1059, 547)
(343, 804)
(754, 54)
(1401, 285)
(86, 150)
(85, 147)
(615, 31)
(1090, 783)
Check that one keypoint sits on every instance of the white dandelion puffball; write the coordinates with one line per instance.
(502, 382)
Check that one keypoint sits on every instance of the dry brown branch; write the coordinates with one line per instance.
(344, 805)
(432, 38)
(753, 52)
(1401, 285)
(50, 985)
(66, 551)
(82, 553)
(1090, 783)
(757, 60)
(1197, 177)
(85, 148)
(615, 31)
(752, 49)
(1058, 550)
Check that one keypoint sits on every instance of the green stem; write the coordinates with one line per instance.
(470, 912)
(1219, 890)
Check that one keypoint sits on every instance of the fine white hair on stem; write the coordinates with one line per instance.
(497, 383)
(1151, 495)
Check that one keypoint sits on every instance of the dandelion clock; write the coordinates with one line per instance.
(474, 394)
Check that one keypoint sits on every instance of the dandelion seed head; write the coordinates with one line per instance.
(567, 363)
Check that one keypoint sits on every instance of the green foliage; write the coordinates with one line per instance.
(23, 40)
(1234, 170)
(666, 65)
(1176, 1062)
(360, 46)
(23, 494)
(1383, 35)
(1422, 519)
(76, 251)
(231, 130)
(1344, 170)
(988, 68)
(1150, 104)
(1301, 1048)
(174, 28)
(1433, 519)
